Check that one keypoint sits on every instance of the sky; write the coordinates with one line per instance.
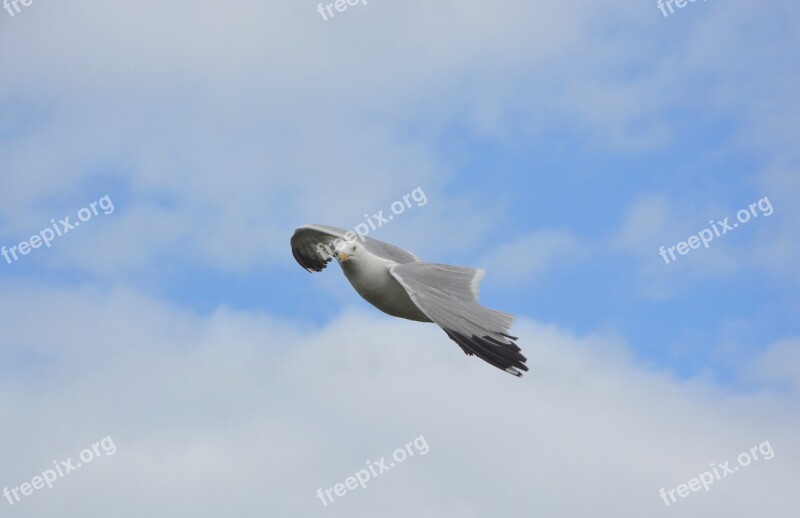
(557, 145)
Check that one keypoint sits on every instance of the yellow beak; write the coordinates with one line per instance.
(343, 257)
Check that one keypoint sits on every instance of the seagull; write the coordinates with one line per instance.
(400, 284)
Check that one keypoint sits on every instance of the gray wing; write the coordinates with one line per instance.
(313, 246)
(448, 295)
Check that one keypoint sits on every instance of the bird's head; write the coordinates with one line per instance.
(347, 251)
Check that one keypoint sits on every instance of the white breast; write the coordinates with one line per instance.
(369, 275)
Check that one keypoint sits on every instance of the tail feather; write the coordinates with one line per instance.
(505, 356)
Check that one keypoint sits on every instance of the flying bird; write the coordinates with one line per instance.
(400, 284)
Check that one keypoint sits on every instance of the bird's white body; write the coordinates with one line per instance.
(369, 275)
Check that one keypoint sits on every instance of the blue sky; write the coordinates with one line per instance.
(559, 145)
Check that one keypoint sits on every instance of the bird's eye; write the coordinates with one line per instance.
(354, 248)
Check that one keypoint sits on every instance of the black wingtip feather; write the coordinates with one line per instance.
(503, 356)
(310, 265)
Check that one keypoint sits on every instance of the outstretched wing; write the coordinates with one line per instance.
(448, 295)
(313, 246)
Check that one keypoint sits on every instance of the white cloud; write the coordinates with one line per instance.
(780, 365)
(776, 246)
(530, 257)
(237, 413)
(252, 119)
(655, 221)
